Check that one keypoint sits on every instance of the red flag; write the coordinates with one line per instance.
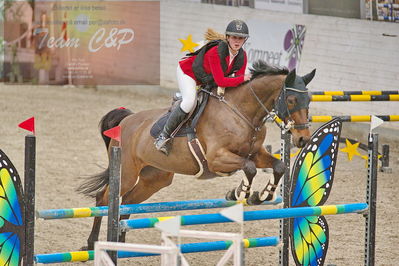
(121, 108)
(28, 124)
(114, 133)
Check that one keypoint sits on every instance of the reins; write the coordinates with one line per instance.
(233, 108)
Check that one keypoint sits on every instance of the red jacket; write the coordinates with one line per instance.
(212, 65)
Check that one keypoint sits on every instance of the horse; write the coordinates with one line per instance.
(231, 130)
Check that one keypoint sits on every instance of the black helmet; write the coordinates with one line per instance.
(238, 28)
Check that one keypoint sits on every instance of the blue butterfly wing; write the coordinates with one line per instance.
(314, 167)
(12, 229)
(10, 249)
(309, 241)
(313, 175)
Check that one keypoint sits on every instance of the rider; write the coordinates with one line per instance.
(220, 64)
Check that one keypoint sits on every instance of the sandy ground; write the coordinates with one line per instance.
(69, 146)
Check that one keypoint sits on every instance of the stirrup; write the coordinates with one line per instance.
(161, 144)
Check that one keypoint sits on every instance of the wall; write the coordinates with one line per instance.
(349, 54)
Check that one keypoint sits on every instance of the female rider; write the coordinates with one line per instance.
(218, 63)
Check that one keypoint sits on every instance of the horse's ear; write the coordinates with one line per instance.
(308, 77)
(290, 79)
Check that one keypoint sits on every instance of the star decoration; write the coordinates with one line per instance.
(188, 44)
(292, 155)
(351, 149)
(366, 158)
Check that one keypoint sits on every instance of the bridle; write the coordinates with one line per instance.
(269, 114)
(276, 115)
(282, 111)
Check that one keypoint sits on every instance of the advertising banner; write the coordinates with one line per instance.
(279, 44)
(96, 42)
(295, 6)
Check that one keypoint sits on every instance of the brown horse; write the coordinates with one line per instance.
(231, 133)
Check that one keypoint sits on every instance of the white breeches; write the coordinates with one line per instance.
(187, 87)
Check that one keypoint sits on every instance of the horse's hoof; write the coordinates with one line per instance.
(254, 199)
(231, 195)
(87, 248)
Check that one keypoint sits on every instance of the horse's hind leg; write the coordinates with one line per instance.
(263, 159)
(95, 230)
(128, 179)
(151, 181)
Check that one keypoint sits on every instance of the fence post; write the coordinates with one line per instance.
(113, 205)
(29, 198)
(371, 200)
(285, 152)
(385, 160)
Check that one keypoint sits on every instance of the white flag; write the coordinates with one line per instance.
(170, 226)
(234, 213)
(375, 122)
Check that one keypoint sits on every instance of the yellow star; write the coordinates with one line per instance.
(188, 44)
(277, 155)
(366, 159)
(295, 153)
(351, 149)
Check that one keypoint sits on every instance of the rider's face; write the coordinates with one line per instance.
(235, 42)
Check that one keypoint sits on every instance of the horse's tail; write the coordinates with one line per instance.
(97, 182)
(110, 120)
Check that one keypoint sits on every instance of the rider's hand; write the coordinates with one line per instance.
(247, 77)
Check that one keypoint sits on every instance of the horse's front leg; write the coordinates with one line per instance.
(243, 190)
(263, 159)
(224, 161)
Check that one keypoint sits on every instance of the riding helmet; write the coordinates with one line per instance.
(238, 28)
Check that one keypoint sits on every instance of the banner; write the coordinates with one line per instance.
(96, 42)
(279, 44)
(295, 6)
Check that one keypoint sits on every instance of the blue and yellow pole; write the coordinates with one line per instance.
(249, 215)
(144, 208)
(185, 248)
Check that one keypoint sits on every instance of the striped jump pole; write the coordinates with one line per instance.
(354, 98)
(185, 248)
(249, 215)
(144, 208)
(353, 92)
(352, 118)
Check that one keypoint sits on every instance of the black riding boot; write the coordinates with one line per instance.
(174, 120)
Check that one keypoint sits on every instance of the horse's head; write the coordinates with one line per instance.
(292, 106)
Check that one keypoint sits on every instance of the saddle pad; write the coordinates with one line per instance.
(189, 125)
(158, 126)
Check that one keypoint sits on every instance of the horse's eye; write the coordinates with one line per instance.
(291, 101)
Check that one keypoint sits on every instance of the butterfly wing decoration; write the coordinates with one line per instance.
(312, 179)
(12, 228)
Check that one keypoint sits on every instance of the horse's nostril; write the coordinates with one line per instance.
(301, 142)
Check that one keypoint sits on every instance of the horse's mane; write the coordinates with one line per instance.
(261, 68)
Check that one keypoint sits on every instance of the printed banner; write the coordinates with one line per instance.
(95, 43)
(279, 44)
(295, 6)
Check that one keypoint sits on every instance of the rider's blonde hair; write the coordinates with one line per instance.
(211, 35)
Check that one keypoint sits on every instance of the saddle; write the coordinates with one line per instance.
(187, 128)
